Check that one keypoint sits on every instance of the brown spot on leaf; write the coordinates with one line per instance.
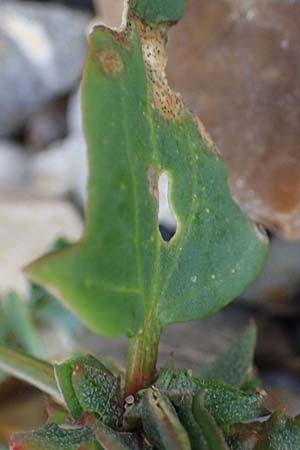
(110, 61)
(168, 103)
(153, 41)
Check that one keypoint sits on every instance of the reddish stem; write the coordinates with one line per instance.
(142, 358)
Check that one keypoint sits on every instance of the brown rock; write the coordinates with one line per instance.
(237, 64)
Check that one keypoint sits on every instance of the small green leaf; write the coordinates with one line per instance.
(21, 324)
(280, 433)
(186, 417)
(110, 442)
(112, 439)
(56, 414)
(229, 405)
(177, 385)
(158, 11)
(32, 370)
(122, 276)
(53, 437)
(212, 433)
(63, 373)
(235, 366)
(252, 385)
(160, 422)
(98, 391)
(109, 439)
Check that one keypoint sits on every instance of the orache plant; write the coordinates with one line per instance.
(122, 278)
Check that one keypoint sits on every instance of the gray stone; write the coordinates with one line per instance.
(47, 125)
(278, 284)
(42, 49)
(28, 227)
(13, 165)
(62, 167)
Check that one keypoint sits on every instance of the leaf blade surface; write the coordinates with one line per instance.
(122, 272)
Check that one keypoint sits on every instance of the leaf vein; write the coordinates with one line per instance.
(135, 201)
(184, 232)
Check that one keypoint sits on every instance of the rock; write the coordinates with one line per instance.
(277, 287)
(28, 227)
(47, 125)
(283, 392)
(43, 47)
(237, 64)
(62, 168)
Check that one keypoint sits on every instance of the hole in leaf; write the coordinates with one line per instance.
(166, 217)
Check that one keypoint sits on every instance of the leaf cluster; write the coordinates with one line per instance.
(22, 319)
(212, 411)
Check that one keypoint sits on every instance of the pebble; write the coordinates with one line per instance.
(13, 165)
(22, 217)
(43, 47)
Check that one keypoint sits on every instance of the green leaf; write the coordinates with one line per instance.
(122, 275)
(235, 366)
(117, 440)
(57, 414)
(64, 372)
(280, 433)
(229, 405)
(32, 370)
(21, 324)
(108, 438)
(53, 437)
(158, 11)
(212, 433)
(178, 384)
(186, 417)
(98, 391)
(110, 442)
(160, 422)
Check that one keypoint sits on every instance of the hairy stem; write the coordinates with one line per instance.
(142, 358)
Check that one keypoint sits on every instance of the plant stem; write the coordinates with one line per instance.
(142, 358)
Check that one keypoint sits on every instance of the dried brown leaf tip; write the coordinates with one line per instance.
(110, 61)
